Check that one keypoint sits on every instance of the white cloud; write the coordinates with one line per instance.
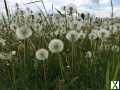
(58, 3)
(104, 1)
(102, 14)
(117, 11)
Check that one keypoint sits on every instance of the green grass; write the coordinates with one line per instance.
(67, 70)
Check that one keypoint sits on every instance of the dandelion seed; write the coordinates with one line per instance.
(23, 32)
(72, 36)
(56, 46)
(42, 54)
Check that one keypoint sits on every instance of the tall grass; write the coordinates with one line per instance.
(89, 63)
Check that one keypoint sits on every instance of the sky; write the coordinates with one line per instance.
(100, 8)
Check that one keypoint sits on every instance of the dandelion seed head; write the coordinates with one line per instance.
(72, 36)
(92, 36)
(71, 8)
(82, 35)
(13, 52)
(2, 41)
(37, 27)
(23, 32)
(68, 66)
(13, 26)
(88, 54)
(56, 46)
(103, 34)
(115, 48)
(5, 56)
(42, 54)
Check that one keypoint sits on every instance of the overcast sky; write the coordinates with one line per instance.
(98, 7)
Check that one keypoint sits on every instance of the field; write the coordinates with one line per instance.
(67, 50)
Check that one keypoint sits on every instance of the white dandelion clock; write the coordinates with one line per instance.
(23, 32)
(56, 46)
(2, 41)
(37, 27)
(92, 36)
(115, 48)
(88, 54)
(114, 29)
(82, 35)
(77, 25)
(5, 56)
(103, 34)
(13, 26)
(71, 8)
(42, 54)
(13, 53)
(72, 36)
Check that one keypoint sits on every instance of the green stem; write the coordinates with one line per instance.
(61, 66)
(24, 62)
(25, 51)
(72, 57)
(13, 73)
(107, 76)
(45, 78)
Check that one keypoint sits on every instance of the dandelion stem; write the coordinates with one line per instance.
(45, 78)
(13, 72)
(107, 76)
(61, 66)
(24, 61)
(72, 56)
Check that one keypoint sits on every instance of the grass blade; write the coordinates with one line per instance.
(6, 9)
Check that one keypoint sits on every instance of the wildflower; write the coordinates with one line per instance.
(68, 66)
(114, 29)
(63, 8)
(13, 26)
(57, 32)
(37, 27)
(92, 36)
(13, 53)
(2, 41)
(42, 54)
(115, 48)
(51, 34)
(72, 36)
(71, 8)
(88, 54)
(5, 56)
(23, 32)
(56, 46)
(76, 25)
(82, 35)
(103, 34)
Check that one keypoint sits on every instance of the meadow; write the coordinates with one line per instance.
(66, 50)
